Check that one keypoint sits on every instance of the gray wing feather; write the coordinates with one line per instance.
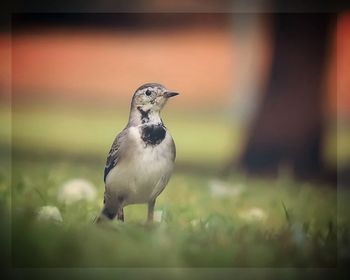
(160, 186)
(173, 149)
(114, 153)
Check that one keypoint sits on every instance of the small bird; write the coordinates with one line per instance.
(141, 159)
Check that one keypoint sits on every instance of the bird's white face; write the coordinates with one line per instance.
(151, 97)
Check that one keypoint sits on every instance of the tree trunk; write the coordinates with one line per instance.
(288, 128)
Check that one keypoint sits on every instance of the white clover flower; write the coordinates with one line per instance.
(49, 213)
(76, 190)
(221, 189)
(253, 214)
(195, 222)
(157, 216)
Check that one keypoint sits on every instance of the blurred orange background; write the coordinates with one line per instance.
(199, 61)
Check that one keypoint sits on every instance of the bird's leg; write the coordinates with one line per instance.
(151, 210)
(120, 214)
(120, 211)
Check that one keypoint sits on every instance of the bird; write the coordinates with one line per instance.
(141, 159)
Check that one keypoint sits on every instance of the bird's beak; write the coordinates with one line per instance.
(169, 94)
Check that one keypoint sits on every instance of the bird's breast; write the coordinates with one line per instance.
(149, 160)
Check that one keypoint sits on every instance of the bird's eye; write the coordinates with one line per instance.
(148, 92)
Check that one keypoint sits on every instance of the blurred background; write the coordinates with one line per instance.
(262, 92)
(261, 127)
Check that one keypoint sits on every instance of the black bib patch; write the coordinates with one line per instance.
(153, 134)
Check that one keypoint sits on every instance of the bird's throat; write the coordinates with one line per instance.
(142, 116)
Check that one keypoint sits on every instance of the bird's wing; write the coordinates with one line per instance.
(160, 186)
(114, 153)
(173, 149)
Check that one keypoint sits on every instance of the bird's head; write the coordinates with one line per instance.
(151, 97)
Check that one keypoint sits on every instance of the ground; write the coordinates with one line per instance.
(206, 220)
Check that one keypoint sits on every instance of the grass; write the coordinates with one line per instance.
(77, 130)
(199, 229)
(32, 129)
(300, 224)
